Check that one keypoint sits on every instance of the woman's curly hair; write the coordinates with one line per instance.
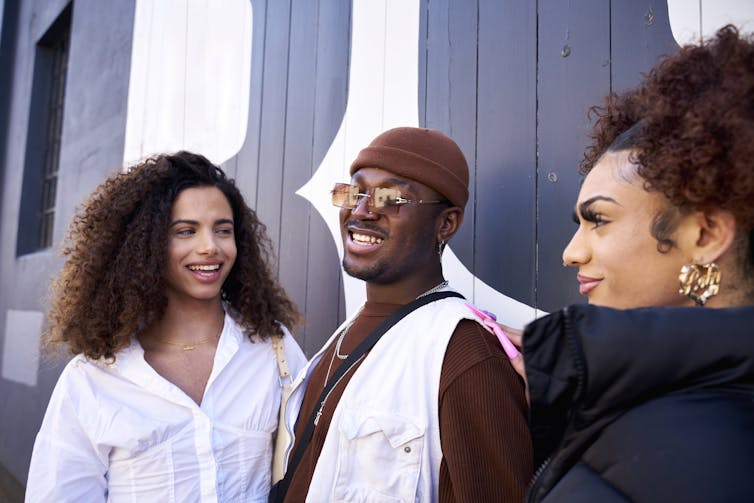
(111, 287)
(693, 121)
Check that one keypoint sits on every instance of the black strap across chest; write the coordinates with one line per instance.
(278, 491)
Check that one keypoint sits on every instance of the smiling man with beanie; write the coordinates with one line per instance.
(432, 410)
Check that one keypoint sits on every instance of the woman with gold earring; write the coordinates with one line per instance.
(647, 393)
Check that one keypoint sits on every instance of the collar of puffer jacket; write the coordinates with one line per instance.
(586, 364)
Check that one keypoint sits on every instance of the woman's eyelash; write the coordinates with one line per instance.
(592, 216)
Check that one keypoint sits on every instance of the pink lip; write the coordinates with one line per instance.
(587, 284)
(206, 276)
(361, 248)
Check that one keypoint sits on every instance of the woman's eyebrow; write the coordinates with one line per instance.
(219, 221)
(586, 204)
(583, 208)
(183, 221)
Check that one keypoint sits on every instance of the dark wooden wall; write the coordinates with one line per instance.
(510, 80)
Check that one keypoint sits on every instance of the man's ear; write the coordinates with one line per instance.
(712, 234)
(448, 222)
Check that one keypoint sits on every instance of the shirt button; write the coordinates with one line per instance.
(407, 449)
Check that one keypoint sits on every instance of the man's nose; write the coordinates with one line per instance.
(362, 206)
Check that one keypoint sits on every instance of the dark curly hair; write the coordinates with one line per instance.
(690, 124)
(112, 288)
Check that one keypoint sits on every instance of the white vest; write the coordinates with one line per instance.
(383, 443)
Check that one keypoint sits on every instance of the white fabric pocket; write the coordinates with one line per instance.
(379, 457)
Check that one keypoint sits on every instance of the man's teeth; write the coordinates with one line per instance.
(212, 267)
(367, 240)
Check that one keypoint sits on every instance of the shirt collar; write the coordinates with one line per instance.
(131, 364)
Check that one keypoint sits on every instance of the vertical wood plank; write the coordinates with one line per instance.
(272, 132)
(506, 148)
(299, 85)
(640, 34)
(448, 85)
(245, 165)
(325, 305)
(299, 120)
(574, 74)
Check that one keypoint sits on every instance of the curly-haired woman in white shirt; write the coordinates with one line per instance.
(169, 303)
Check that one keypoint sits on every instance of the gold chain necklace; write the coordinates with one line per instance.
(191, 346)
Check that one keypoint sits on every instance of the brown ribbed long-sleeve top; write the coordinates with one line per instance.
(487, 454)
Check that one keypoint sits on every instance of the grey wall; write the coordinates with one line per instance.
(299, 85)
(93, 134)
(495, 74)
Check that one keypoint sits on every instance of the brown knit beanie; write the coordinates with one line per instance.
(424, 155)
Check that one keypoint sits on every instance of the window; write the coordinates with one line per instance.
(37, 215)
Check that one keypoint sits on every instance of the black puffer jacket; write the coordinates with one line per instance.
(642, 405)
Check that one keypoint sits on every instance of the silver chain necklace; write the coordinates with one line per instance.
(342, 336)
(343, 332)
(434, 289)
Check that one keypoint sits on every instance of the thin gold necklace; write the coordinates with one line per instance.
(190, 346)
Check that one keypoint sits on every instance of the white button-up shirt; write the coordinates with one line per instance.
(121, 432)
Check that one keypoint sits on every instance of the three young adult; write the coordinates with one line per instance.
(169, 304)
(654, 401)
(433, 411)
(168, 301)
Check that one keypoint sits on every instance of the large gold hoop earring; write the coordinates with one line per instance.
(699, 282)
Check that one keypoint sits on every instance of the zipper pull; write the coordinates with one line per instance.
(319, 413)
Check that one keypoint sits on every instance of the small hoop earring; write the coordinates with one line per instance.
(699, 282)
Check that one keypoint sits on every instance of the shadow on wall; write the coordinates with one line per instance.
(11, 490)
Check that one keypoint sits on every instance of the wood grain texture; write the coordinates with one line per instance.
(510, 80)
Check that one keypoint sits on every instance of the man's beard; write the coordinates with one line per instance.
(374, 273)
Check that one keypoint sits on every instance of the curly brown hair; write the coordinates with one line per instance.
(112, 287)
(693, 128)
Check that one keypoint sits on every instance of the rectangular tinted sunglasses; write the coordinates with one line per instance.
(382, 200)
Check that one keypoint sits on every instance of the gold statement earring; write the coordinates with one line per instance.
(699, 282)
